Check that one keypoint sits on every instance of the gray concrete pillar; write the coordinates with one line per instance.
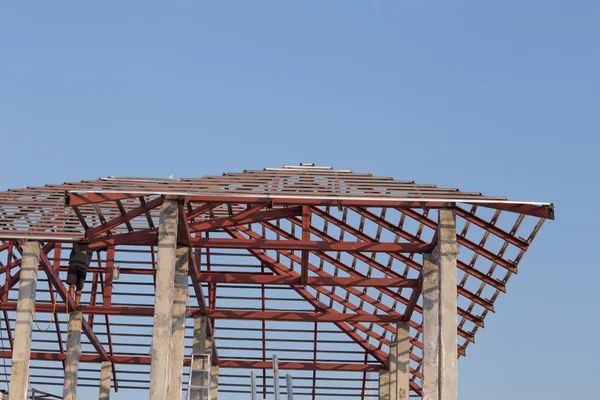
(384, 384)
(431, 310)
(19, 376)
(440, 353)
(160, 368)
(73, 355)
(179, 307)
(105, 376)
(402, 373)
(202, 344)
(448, 304)
(214, 382)
(393, 371)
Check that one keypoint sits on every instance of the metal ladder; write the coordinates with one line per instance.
(199, 377)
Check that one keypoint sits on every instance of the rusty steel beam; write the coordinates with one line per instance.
(149, 237)
(201, 210)
(262, 279)
(305, 238)
(113, 223)
(74, 198)
(493, 229)
(468, 269)
(245, 218)
(193, 271)
(301, 366)
(300, 316)
(62, 291)
(380, 267)
(482, 251)
(183, 229)
(245, 364)
(264, 244)
(280, 269)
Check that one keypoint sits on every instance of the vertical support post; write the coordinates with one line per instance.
(105, 373)
(384, 384)
(393, 368)
(440, 353)
(431, 357)
(276, 394)
(253, 385)
(199, 370)
(178, 328)
(290, 388)
(305, 237)
(73, 355)
(214, 381)
(160, 369)
(402, 377)
(19, 376)
(448, 294)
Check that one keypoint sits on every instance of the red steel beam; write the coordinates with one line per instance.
(493, 229)
(264, 244)
(245, 364)
(183, 229)
(305, 238)
(218, 314)
(408, 261)
(377, 266)
(113, 223)
(201, 210)
(468, 269)
(279, 268)
(148, 237)
(301, 366)
(542, 211)
(62, 291)
(78, 199)
(244, 218)
(262, 279)
(300, 316)
(482, 251)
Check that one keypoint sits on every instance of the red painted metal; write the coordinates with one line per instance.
(245, 218)
(329, 274)
(62, 291)
(299, 316)
(106, 227)
(145, 238)
(220, 277)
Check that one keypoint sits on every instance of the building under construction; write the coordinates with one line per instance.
(364, 287)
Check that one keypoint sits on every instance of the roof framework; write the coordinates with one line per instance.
(309, 263)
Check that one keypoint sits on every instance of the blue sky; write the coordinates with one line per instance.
(497, 97)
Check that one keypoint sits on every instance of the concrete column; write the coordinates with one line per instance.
(19, 376)
(202, 345)
(160, 369)
(384, 384)
(178, 327)
(402, 373)
(105, 375)
(393, 368)
(440, 354)
(73, 355)
(448, 295)
(214, 382)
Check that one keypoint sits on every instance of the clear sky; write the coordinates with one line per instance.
(500, 97)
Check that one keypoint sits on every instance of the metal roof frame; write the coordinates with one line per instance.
(307, 262)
